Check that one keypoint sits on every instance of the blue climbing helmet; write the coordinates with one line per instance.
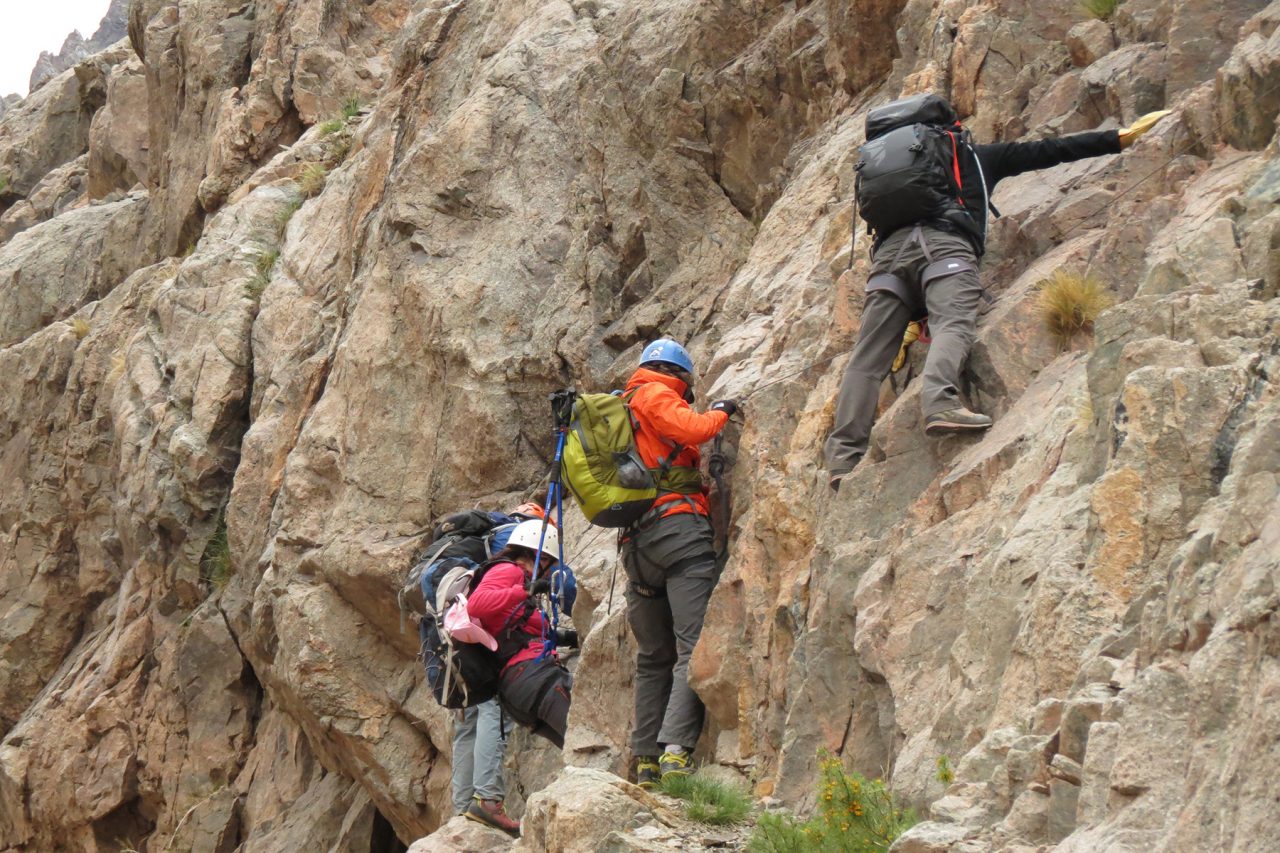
(667, 351)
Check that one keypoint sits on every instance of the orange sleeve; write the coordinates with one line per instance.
(675, 420)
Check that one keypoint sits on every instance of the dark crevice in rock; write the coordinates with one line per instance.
(124, 827)
(383, 838)
(1224, 444)
(1119, 427)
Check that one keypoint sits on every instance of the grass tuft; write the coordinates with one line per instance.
(267, 260)
(1069, 304)
(311, 182)
(4, 183)
(708, 800)
(263, 266)
(340, 149)
(286, 213)
(1100, 9)
(80, 327)
(855, 815)
(332, 126)
(351, 108)
(216, 567)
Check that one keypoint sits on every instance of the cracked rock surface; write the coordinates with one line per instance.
(282, 282)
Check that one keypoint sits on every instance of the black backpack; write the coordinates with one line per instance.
(458, 538)
(909, 169)
(462, 675)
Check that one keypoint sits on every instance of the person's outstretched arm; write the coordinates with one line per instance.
(1006, 159)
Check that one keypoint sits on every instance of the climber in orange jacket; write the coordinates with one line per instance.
(670, 559)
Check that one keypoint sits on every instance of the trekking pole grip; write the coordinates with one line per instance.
(562, 407)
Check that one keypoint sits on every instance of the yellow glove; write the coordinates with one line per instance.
(913, 332)
(1141, 126)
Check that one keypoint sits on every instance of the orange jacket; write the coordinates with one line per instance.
(664, 419)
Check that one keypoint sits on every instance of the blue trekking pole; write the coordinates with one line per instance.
(562, 413)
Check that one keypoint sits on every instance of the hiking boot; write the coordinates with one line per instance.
(675, 764)
(493, 813)
(648, 773)
(955, 420)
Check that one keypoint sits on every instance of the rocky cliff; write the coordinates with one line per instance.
(76, 47)
(282, 282)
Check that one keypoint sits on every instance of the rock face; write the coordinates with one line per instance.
(110, 30)
(281, 283)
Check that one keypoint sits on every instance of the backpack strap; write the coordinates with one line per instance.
(488, 538)
(665, 463)
(400, 595)
(510, 645)
(955, 166)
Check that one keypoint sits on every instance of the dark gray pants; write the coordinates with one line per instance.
(536, 694)
(916, 271)
(672, 569)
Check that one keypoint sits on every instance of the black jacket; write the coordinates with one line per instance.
(1001, 160)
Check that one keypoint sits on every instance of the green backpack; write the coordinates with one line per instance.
(601, 465)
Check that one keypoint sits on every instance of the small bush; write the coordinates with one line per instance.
(332, 126)
(340, 149)
(312, 180)
(80, 327)
(216, 567)
(1069, 303)
(351, 108)
(1100, 9)
(854, 815)
(945, 774)
(707, 800)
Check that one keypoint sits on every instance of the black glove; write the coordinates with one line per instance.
(729, 407)
(567, 638)
(541, 586)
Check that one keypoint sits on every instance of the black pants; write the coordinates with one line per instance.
(537, 694)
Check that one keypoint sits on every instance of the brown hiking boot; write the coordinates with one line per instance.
(492, 813)
(955, 420)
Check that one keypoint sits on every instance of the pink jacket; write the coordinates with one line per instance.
(500, 594)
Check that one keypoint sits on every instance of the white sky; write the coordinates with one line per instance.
(31, 26)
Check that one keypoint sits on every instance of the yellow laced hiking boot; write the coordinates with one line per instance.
(648, 773)
(675, 764)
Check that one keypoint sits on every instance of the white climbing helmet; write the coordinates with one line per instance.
(528, 533)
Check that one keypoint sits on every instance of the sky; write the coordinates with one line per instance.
(30, 27)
